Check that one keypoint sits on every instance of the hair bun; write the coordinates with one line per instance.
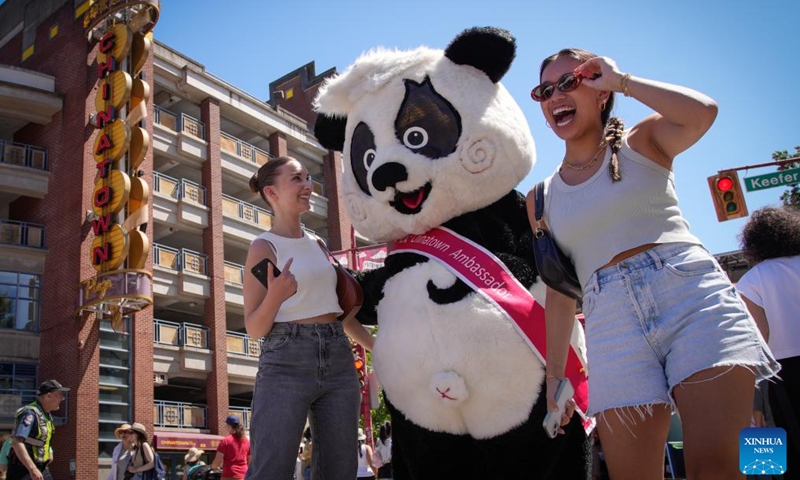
(254, 183)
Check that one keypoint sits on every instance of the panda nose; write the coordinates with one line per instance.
(389, 175)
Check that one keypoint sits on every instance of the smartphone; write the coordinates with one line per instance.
(552, 421)
(260, 271)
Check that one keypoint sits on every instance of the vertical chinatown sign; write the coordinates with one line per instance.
(120, 199)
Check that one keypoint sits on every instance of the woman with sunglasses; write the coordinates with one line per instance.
(664, 326)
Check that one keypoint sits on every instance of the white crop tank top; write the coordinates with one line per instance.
(594, 221)
(316, 278)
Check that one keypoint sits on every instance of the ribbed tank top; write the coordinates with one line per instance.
(316, 278)
(595, 220)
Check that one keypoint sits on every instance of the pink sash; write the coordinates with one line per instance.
(486, 274)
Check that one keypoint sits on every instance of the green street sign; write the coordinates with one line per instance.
(770, 180)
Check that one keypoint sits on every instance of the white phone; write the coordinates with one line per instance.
(552, 421)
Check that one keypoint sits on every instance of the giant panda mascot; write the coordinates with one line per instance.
(433, 147)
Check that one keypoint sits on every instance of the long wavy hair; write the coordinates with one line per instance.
(613, 128)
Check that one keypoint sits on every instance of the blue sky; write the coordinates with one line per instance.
(742, 54)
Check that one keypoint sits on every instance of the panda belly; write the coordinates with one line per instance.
(460, 368)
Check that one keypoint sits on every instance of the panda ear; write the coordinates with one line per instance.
(488, 49)
(330, 131)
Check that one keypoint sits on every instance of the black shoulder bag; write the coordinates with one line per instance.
(554, 267)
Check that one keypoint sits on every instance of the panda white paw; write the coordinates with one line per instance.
(450, 388)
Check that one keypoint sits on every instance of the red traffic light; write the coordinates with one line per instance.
(724, 184)
(726, 192)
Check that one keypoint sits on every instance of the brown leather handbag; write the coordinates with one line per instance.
(350, 294)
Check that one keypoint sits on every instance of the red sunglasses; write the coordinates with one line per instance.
(567, 83)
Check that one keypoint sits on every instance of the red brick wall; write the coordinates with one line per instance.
(277, 144)
(68, 345)
(214, 249)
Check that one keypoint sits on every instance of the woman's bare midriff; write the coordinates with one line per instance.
(327, 318)
(628, 254)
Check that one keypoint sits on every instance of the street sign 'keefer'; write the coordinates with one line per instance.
(770, 180)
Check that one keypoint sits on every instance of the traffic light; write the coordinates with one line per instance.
(726, 191)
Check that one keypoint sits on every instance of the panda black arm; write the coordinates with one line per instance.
(372, 282)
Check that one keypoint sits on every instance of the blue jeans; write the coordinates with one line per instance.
(305, 370)
(660, 316)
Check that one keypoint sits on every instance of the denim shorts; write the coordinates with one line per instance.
(305, 371)
(657, 318)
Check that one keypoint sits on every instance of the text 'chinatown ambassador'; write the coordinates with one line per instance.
(33, 430)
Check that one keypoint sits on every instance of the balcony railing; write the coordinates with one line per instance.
(12, 399)
(179, 414)
(180, 122)
(242, 344)
(21, 233)
(317, 186)
(234, 273)
(231, 144)
(183, 260)
(244, 415)
(23, 155)
(180, 334)
(179, 189)
(246, 211)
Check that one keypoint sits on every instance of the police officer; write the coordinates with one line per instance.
(32, 433)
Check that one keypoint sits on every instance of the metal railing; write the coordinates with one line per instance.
(180, 259)
(246, 211)
(21, 233)
(180, 414)
(234, 273)
(180, 334)
(179, 189)
(317, 186)
(229, 143)
(23, 155)
(180, 122)
(244, 414)
(242, 344)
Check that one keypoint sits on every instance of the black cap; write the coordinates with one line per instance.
(51, 386)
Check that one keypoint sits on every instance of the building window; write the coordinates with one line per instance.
(19, 301)
(17, 388)
(115, 380)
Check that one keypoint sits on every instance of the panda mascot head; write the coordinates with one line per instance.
(431, 140)
(426, 135)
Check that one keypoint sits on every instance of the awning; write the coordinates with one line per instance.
(185, 441)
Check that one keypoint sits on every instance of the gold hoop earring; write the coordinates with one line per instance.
(603, 106)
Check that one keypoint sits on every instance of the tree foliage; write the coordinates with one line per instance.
(792, 195)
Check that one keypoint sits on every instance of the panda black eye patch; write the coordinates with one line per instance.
(362, 154)
(427, 123)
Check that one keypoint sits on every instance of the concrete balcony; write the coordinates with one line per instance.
(178, 205)
(242, 222)
(179, 275)
(181, 350)
(22, 247)
(23, 169)
(26, 96)
(243, 353)
(179, 137)
(234, 285)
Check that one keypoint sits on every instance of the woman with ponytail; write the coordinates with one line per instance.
(306, 368)
(664, 327)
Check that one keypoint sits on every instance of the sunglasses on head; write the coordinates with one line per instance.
(567, 83)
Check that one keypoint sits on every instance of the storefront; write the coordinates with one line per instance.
(172, 446)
